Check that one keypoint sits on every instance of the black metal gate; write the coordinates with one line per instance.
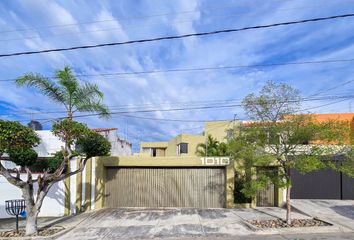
(324, 184)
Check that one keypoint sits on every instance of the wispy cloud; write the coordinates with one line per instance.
(107, 21)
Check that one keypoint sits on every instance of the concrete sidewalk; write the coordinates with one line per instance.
(340, 212)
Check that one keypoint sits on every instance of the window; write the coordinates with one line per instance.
(153, 152)
(182, 148)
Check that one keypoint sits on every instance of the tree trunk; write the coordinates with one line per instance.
(31, 222)
(288, 206)
(33, 207)
(32, 213)
(70, 115)
(288, 190)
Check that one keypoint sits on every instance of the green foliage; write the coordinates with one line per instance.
(54, 162)
(347, 167)
(308, 163)
(65, 89)
(280, 138)
(93, 144)
(346, 163)
(239, 196)
(23, 157)
(14, 135)
(212, 148)
(17, 141)
(69, 131)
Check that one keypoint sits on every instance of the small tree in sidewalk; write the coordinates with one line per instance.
(17, 141)
(278, 137)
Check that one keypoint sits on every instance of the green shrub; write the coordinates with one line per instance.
(23, 157)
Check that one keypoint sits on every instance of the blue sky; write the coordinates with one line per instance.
(39, 24)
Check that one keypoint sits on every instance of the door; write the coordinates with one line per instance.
(266, 197)
(165, 187)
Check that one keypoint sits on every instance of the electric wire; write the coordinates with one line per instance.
(199, 34)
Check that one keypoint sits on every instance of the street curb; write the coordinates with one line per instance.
(334, 228)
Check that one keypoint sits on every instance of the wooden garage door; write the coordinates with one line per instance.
(165, 187)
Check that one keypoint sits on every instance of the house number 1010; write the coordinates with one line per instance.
(215, 160)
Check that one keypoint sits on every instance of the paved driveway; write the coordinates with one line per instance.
(141, 223)
(340, 212)
(166, 223)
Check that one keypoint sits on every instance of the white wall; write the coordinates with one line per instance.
(49, 144)
(53, 204)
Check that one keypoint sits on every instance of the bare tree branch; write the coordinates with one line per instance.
(16, 181)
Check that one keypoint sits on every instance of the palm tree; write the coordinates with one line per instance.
(212, 148)
(67, 91)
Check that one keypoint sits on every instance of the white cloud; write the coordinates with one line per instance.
(282, 44)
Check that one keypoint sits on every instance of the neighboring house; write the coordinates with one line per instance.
(322, 184)
(50, 144)
(61, 199)
(325, 184)
(186, 144)
(119, 147)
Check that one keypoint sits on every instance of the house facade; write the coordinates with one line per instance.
(186, 144)
(119, 146)
(166, 174)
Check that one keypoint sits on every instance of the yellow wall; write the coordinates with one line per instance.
(218, 129)
(153, 145)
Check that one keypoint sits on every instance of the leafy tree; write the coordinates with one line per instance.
(212, 148)
(17, 141)
(23, 157)
(92, 143)
(280, 138)
(66, 90)
(16, 137)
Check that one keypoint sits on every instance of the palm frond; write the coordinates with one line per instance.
(67, 79)
(43, 84)
(91, 106)
(89, 91)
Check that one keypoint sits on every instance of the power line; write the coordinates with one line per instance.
(117, 19)
(332, 88)
(140, 26)
(172, 120)
(324, 105)
(202, 68)
(188, 11)
(179, 36)
(191, 105)
(196, 108)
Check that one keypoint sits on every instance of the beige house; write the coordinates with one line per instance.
(186, 144)
(163, 174)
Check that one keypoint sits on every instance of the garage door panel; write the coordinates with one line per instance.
(324, 184)
(348, 187)
(165, 187)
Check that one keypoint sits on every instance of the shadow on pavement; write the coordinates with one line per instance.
(346, 211)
